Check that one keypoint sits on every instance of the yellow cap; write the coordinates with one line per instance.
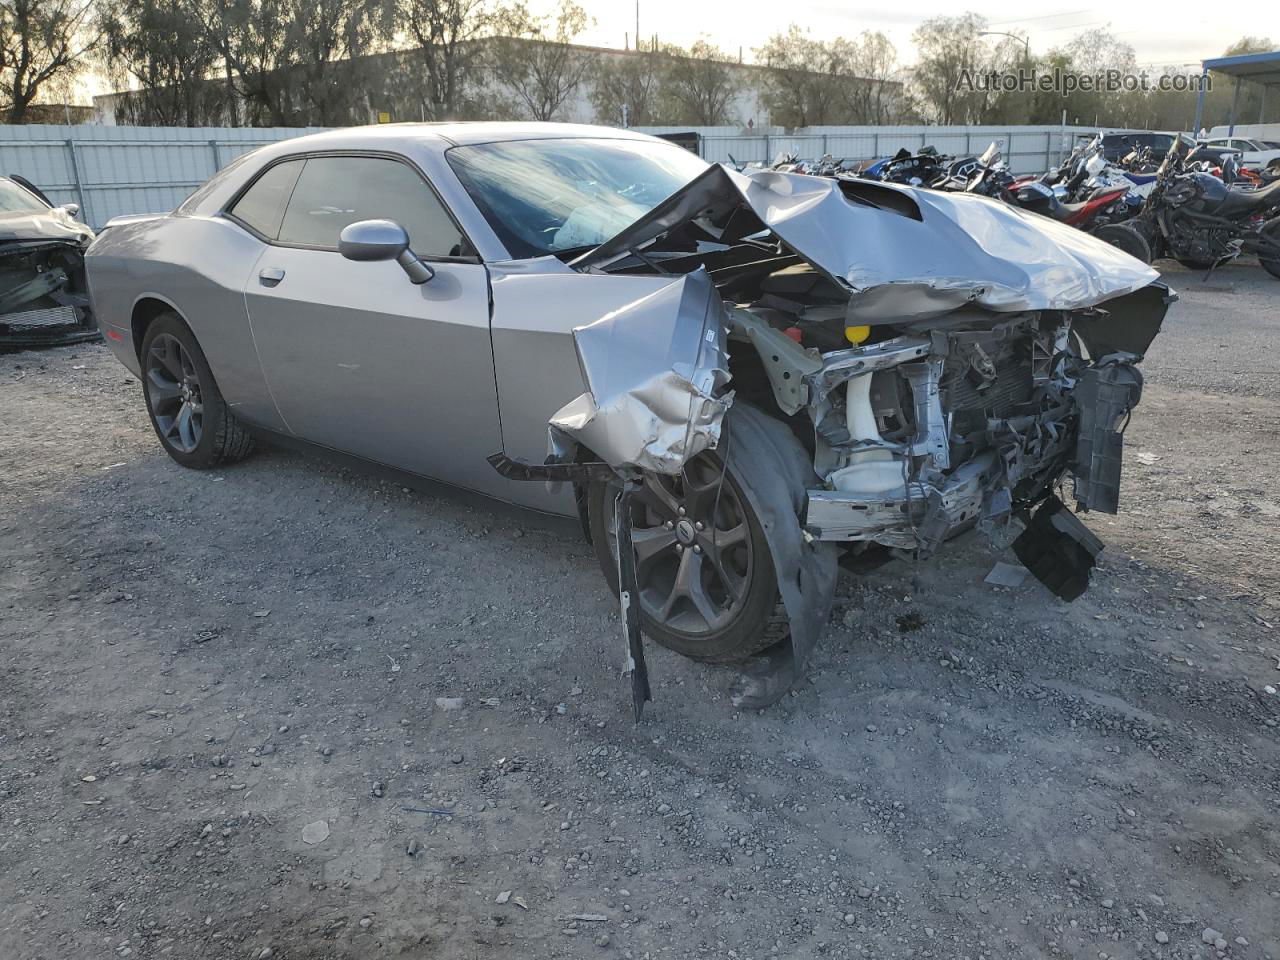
(857, 334)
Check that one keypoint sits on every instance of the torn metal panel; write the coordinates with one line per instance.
(787, 364)
(629, 603)
(655, 372)
(896, 519)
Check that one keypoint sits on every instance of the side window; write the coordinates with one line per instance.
(335, 191)
(262, 205)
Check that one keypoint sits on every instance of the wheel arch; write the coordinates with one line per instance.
(146, 308)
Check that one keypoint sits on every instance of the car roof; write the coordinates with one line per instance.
(451, 134)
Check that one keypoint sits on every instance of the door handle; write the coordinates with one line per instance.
(270, 276)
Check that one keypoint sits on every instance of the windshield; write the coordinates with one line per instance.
(14, 199)
(545, 196)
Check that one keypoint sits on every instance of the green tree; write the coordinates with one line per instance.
(448, 56)
(533, 58)
(156, 46)
(43, 44)
(951, 58)
(632, 81)
(697, 86)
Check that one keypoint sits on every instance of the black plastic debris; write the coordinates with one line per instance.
(1058, 549)
(1106, 393)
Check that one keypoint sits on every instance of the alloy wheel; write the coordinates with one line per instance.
(693, 549)
(174, 393)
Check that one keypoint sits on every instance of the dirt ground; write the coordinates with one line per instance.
(284, 710)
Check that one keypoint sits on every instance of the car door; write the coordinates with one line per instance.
(356, 356)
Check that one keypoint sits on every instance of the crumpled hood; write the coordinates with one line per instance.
(42, 226)
(906, 253)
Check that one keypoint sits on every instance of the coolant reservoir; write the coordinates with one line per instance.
(872, 470)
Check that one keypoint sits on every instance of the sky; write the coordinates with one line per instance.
(1163, 33)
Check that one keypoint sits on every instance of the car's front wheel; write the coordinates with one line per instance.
(194, 424)
(705, 576)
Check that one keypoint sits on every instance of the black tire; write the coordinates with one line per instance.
(1126, 238)
(1271, 265)
(176, 375)
(1193, 263)
(758, 621)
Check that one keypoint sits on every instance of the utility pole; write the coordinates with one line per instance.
(637, 24)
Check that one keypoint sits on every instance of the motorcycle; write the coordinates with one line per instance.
(1201, 221)
(926, 168)
(1102, 211)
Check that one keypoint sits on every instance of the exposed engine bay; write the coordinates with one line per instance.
(43, 300)
(931, 401)
(941, 362)
(922, 429)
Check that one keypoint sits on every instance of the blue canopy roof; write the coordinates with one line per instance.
(1257, 67)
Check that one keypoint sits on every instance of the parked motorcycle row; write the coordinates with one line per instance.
(1198, 213)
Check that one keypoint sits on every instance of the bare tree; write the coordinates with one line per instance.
(874, 96)
(41, 43)
(534, 60)
(698, 85)
(949, 50)
(449, 52)
(630, 83)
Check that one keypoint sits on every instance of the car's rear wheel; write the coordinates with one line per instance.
(706, 579)
(194, 424)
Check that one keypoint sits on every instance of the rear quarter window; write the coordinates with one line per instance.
(262, 206)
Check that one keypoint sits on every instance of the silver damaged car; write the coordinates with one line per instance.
(742, 375)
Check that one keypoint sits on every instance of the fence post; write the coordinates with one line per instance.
(824, 145)
(217, 160)
(875, 145)
(766, 149)
(79, 183)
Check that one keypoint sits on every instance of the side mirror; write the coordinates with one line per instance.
(72, 209)
(370, 240)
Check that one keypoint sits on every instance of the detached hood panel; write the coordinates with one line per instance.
(904, 253)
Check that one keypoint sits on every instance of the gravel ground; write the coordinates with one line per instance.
(285, 710)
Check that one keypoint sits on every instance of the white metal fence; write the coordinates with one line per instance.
(111, 171)
(1027, 149)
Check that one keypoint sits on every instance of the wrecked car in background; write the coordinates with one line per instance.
(735, 376)
(42, 291)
